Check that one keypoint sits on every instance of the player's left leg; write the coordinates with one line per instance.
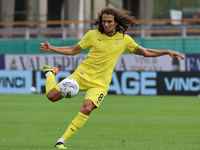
(93, 98)
(77, 123)
(83, 115)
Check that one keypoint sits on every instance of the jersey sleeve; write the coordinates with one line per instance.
(85, 42)
(132, 46)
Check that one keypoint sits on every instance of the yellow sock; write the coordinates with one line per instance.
(50, 83)
(75, 125)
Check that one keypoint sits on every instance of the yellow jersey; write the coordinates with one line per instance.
(103, 54)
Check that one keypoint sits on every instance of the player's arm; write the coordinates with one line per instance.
(68, 50)
(155, 53)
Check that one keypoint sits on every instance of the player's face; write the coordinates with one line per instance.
(109, 24)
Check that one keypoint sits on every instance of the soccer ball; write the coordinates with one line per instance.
(69, 88)
(33, 90)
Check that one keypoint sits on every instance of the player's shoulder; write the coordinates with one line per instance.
(127, 36)
(90, 35)
(94, 34)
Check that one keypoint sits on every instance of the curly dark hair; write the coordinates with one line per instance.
(122, 17)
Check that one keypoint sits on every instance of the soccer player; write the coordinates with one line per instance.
(106, 44)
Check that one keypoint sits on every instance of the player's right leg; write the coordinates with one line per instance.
(52, 93)
(47, 68)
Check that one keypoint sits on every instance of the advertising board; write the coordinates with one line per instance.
(17, 82)
(127, 62)
(123, 83)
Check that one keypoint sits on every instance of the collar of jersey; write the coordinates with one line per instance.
(111, 35)
(116, 35)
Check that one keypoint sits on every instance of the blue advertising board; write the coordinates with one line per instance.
(123, 83)
(16, 82)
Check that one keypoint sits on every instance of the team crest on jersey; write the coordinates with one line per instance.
(118, 42)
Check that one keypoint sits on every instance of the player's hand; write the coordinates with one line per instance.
(174, 54)
(45, 47)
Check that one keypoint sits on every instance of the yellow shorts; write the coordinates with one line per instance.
(94, 92)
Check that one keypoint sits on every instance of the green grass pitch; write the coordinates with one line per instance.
(31, 122)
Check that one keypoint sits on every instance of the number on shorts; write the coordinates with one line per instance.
(100, 97)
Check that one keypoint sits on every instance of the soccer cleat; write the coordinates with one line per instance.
(60, 145)
(47, 68)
